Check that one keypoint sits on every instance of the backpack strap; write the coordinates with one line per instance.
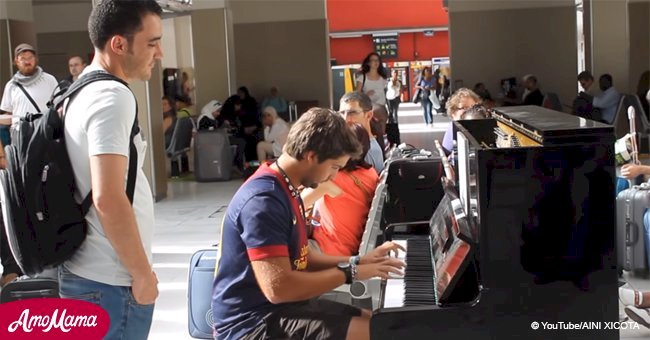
(62, 87)
(133, 152)
(31, 100)
(133, 158)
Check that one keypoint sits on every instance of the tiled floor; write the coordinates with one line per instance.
(188, 220)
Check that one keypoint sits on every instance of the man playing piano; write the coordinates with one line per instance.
(267, 281)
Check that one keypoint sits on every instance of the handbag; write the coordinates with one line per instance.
(434, 99)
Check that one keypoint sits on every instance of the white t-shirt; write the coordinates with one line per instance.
(15, 101)
(99, 121)
(379, 85)
(277, 134)
(393, 91)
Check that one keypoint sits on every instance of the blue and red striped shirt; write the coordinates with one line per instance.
(263, 220)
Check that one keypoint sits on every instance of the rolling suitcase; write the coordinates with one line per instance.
(212, 156)
(25, 287)
(631, 206)
(199, 293)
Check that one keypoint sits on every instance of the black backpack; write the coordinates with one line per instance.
(44, 223)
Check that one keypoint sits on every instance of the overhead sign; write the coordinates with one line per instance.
(386, 46)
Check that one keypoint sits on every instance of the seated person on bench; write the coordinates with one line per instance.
(344, 203)
(209, 119)
(276, 131)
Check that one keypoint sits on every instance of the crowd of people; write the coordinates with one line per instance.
(257, 133)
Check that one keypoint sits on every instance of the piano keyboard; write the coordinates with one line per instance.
(416, 287)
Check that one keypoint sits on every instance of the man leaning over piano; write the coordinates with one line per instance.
(267, 281)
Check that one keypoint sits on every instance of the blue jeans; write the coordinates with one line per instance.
(129, 320)
(427, 106)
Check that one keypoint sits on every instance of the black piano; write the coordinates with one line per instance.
(524, 240)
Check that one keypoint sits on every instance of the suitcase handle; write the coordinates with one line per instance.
(631, 233)
(29, 294)
(293, 111)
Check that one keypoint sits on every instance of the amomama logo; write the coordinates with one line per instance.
(52, 319)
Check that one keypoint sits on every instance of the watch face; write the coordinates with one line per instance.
(344, 265)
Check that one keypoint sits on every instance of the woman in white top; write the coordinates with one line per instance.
(372, 79)
(276, 131)
(393, 94)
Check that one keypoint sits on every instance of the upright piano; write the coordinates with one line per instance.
(524, 241)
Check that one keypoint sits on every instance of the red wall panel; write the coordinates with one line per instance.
(355, 15)
(353, 50)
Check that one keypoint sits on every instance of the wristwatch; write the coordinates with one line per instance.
(346, 268)
(355, 260)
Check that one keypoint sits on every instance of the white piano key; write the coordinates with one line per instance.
(401, 254)
(394, 293)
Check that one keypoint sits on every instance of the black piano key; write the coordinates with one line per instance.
(418, 274)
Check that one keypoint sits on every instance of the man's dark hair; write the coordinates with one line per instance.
(605, 82)
(361, 98)
(169, 99)
(245, 90)
(118, 17)
(585, 75)
(364, 139)
(78, 56)
(607, 79)
(323, 132)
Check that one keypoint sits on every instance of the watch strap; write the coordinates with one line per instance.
(347, 270)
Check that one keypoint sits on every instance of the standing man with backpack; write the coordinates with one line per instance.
(27, 91)
(112, 268)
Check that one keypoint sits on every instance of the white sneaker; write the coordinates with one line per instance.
(640, 315)
(627, 296)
